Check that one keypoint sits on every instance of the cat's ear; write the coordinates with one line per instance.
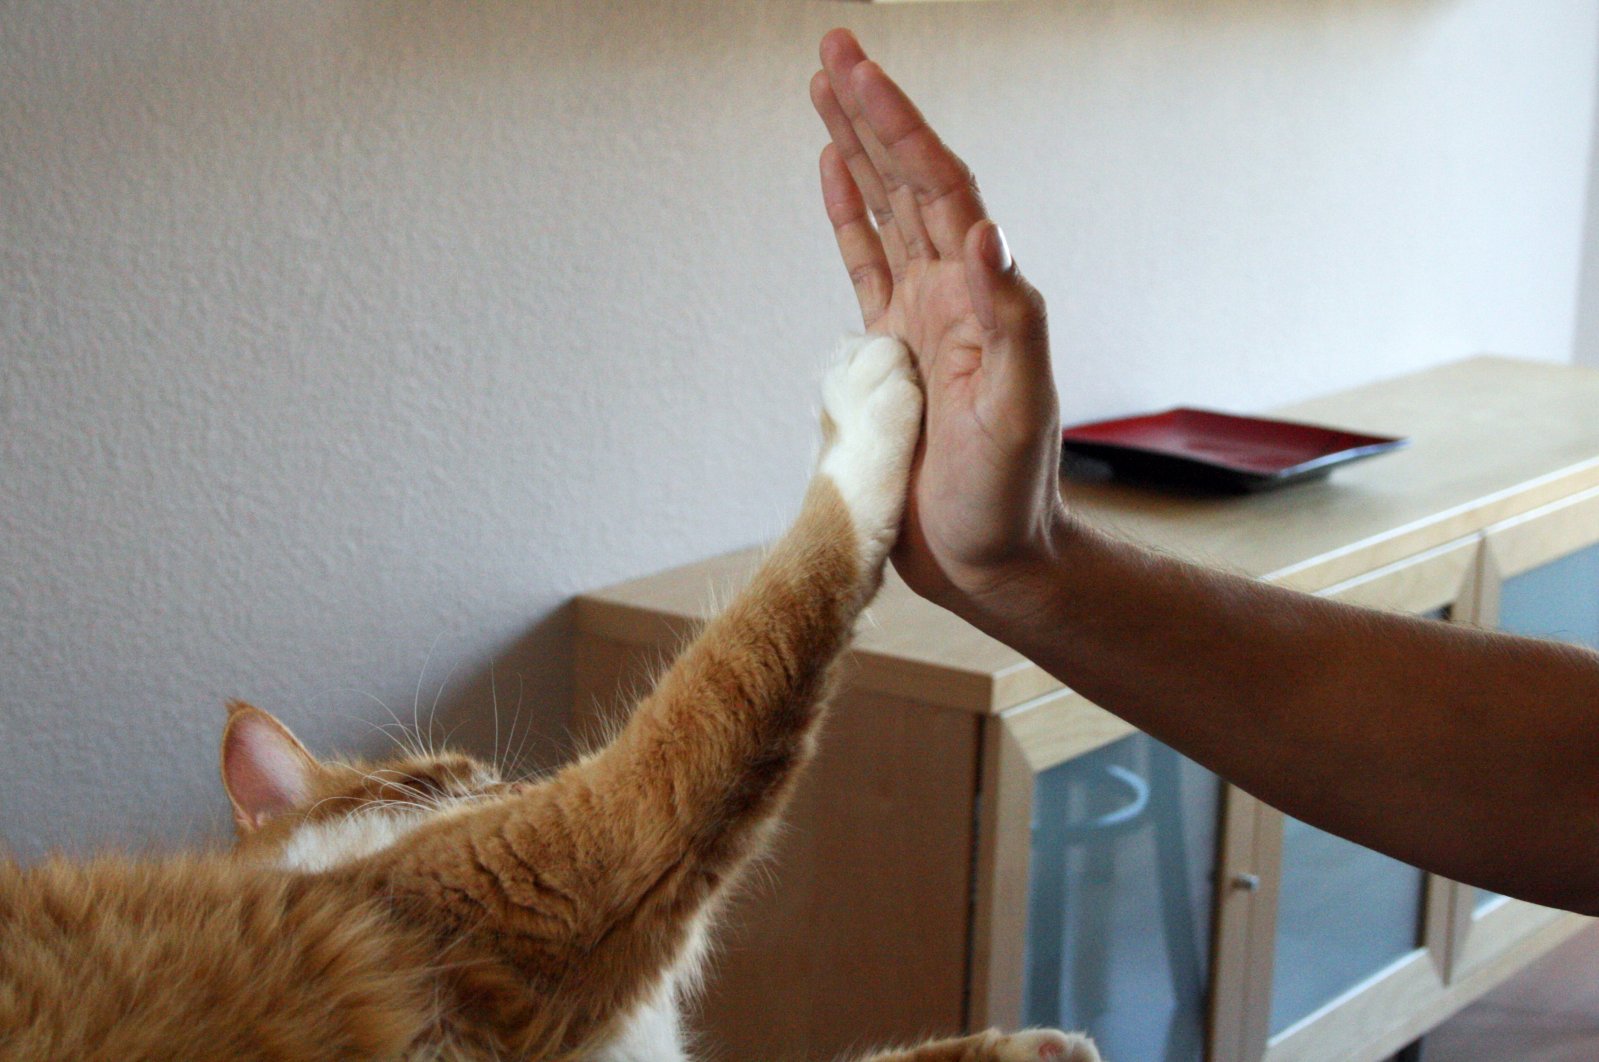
(265, 769)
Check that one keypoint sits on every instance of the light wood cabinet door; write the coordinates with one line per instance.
(1538, 576)
(1327, 950)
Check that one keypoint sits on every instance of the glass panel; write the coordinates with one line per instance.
(1557, 600)
(1119, 906)
(1485, 900)
(1344, 912)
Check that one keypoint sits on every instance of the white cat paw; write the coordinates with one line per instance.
(1044, 1045)
(872, 417)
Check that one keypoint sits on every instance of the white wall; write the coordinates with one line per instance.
(343, 341)
(1585, 346)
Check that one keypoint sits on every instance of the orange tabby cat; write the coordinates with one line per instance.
(421, 908)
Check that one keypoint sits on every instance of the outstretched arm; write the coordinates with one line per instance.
(1471, 754)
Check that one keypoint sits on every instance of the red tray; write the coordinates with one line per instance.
(1198, 447)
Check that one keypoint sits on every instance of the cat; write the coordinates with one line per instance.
(423, 908)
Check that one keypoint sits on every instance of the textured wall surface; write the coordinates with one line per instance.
(1585, 344)
(341, 342)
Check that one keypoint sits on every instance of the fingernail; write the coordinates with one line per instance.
(999, 251)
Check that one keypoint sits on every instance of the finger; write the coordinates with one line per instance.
(862, 173)
(858, 242)
(1007, 306)
(841, 53)
(988, 263)
(1016, 369)
(946, 196)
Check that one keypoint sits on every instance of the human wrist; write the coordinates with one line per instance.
(1024, 588)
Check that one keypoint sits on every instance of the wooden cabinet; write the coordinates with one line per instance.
(977, 845)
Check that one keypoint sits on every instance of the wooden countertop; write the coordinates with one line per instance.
(1491, 438)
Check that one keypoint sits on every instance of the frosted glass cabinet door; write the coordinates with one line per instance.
(1559, 599)
(1119, 899)
(1344, 913)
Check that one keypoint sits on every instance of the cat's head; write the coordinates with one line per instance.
(303, 813)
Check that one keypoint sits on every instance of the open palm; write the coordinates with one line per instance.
(930, 267)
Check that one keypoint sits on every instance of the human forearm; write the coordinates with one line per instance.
(1469, 753)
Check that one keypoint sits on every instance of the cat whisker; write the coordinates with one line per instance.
(502, 750)
(400, 740)
(449, 736)
(410, 747)
(494, 706)
(518, 759)
(429, 735)
(328, 800)
(416, 697)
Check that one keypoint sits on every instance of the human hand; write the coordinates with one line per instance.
(931, 268)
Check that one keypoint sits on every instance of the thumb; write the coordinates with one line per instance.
(1007, 306)
(998, 293)
(1019, 384)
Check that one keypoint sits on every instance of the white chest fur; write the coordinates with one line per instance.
(652, 1034)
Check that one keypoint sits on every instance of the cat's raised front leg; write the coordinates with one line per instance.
(589, 892)
(1030, 1045)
